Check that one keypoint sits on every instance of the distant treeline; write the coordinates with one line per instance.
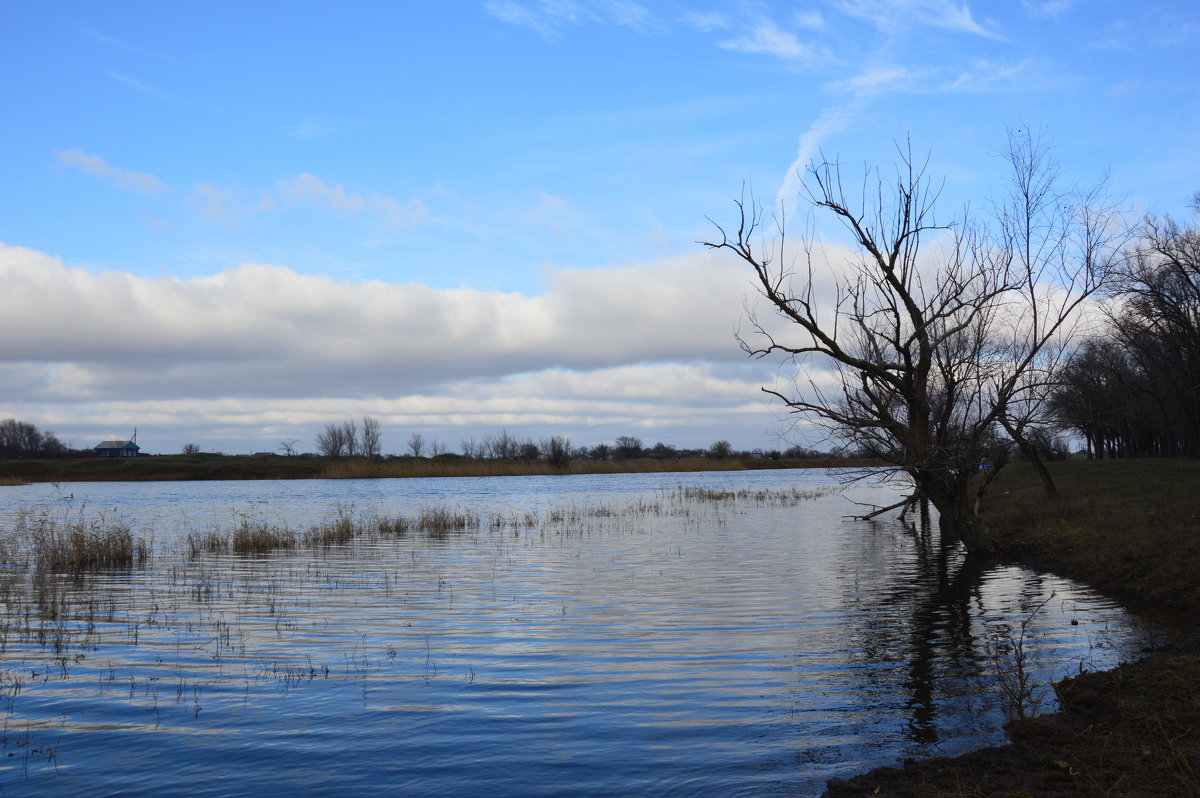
(19, 439)
(348, 438)
(1134, 390)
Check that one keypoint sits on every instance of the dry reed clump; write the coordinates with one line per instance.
(253, 537)
(81, 545)
(338, 532)
(526, 520)
(211, 542)
(774, 497)
(439, 522)
(259, 537)
(396, 527)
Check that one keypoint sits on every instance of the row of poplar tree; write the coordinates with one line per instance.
(1134, 389)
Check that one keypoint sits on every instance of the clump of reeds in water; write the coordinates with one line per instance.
(439, 521)
(338, 532)
(514, 521)
(255, 537)
(779, 497)
(398, 526)
(215, 542)
(81, 545)
(249, 537)
(259, 537)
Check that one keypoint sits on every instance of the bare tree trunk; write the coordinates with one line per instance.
(958, 522)
(1032, 455)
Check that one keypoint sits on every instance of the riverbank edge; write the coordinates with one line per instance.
(1132, 731)
(214, 467)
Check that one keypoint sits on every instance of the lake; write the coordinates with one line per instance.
(718, 633)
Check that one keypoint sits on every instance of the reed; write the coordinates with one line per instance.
(81, 546)
(773, 497)
(440, 522)
(259, 537)
(395, 527)
(338, 532)
(212, 542)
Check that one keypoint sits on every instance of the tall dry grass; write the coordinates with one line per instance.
(73, 546)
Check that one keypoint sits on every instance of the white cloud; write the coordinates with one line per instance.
(810, 19)
(127, 179)
(1051, 9)
(888, 15)
(307, 188)
(556, 213)
(260, 330)
(227, 205)
(260, 352)
(831, 121)
(873, 80)
(704, 21)
(987, 75)
(234, 206)
(768, 39)
(551, 17)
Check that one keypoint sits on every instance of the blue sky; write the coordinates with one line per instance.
(230, 223)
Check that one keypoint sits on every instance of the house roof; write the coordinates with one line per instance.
(114, 445)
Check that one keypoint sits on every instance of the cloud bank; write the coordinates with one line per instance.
(261, 350)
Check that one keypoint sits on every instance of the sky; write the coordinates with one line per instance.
(231, 223)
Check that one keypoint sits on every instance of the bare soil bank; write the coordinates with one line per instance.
(1131, 529)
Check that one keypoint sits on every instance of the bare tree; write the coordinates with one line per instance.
(557, 451)
(627, 447)
(502, 447)
(22, 439)
(416, 444)
(333, 441)
(1135, 391)
(350, 436)
(1159, 324)
(436, 448)
(720, 450)
(369, 442)
(930, 348)
(191, 448)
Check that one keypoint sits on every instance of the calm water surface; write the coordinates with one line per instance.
(599, 635)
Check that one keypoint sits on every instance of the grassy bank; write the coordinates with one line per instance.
(270, 466)
(1131, 529)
